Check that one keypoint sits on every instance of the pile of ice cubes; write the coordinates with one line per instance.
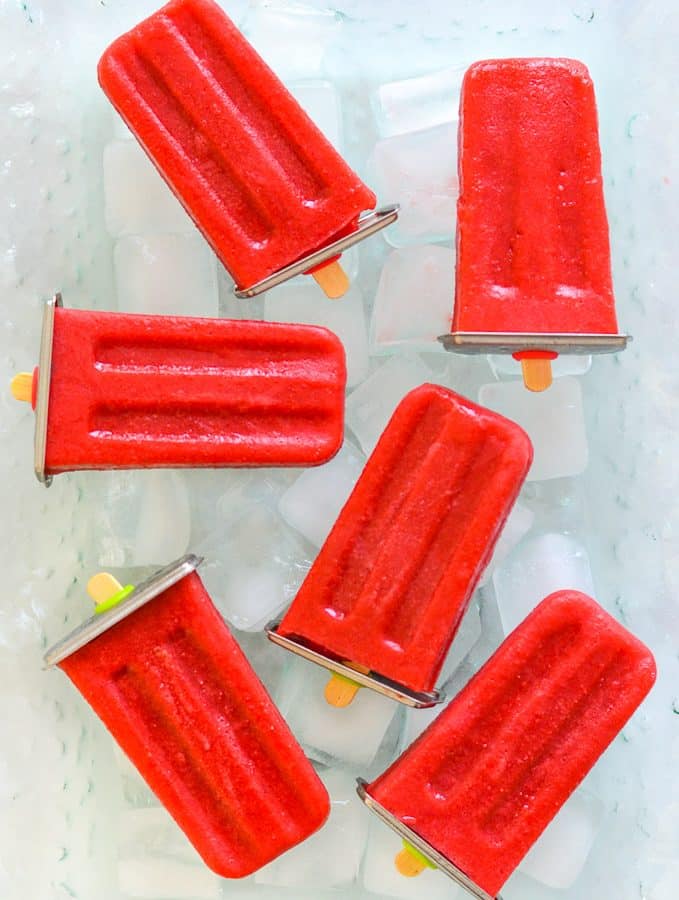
(85, 211)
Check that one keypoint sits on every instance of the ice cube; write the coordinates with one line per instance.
(419, 169)
(380, 876)
(312, 503)
(164, 878)
(157, 860)
(414, 300)
(548, 563)
(165, 274)
(292, 38)
(464, 641)
(371, 405)
(137, 518)
(253, 563)
(519, 523)
(414, 104)
(505, 364)
(137, 200)
(345, 317)
(560, 853)
(330, 857)
(321, 102)
(351, 734)
(553, 419)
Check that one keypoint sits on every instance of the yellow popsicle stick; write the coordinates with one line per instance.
(21, 386)
(410, 862)
(106, 591)
(537, 373)
(340, 690)
(332, 279)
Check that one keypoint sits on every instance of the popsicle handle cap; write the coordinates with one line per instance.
(410, 862)
(107, 591)
(537, 373)
(332, 279)
(21, 386)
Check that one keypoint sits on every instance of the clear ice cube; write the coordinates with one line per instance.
(548, 563)
(553, 419)
(254, 562)
(414, 300)
(165, 274)
(312, 503)
(345, 317)
(560, 853)
(352, 734)
(330, 857)
(419, 170)
(414, 104)
(320, 100)
(291, 37)
(519, 523)
(139, 517)
(370, 406)
(137, 200)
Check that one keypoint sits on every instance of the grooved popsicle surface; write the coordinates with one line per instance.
(394, 577)
(132, 391)
(174, 689)
(532, 235)
(486, 778)
(257, 176)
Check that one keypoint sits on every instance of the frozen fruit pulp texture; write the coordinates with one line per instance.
(532, 234)
(393, 580)
(175, 690)
(485, 779)
(259, 179)
(131, 391)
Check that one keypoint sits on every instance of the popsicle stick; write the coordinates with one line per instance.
(340, 690)
(21, 386)
(102, 586)
(107, 591)
(537, 373)
(332, 279)
(410, 862)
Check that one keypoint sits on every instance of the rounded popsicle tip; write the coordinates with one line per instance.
(106, 591)
(340, 691)
(21, 386)
(537, 373)
(410, 862)
(332, 279)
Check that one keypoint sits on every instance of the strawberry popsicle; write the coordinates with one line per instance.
(161, 669)
(132, 391)
(533, 260)
(388, 590)
(479, 786)
(259, 179)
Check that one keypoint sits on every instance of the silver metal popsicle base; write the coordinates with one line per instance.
(368, 223)
(43, 396)
(514, 342)
(96, 625)
(418, 700)
(424, 847)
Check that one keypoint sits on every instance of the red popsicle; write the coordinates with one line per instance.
(131, 391)
(174, 689)
(392, 582)
(256, 175)
(533, 253)
(482, 783)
